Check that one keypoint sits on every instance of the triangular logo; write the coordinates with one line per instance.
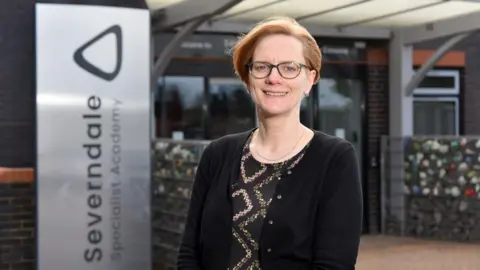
(79, 55)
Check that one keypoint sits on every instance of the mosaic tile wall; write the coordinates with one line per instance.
(442, 187)
(175, 164)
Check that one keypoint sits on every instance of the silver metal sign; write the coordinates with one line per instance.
(93, 137)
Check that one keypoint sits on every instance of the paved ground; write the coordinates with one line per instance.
(392, 253)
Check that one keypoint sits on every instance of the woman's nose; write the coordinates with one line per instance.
(274, 76)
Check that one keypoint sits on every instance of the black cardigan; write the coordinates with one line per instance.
(316, 210)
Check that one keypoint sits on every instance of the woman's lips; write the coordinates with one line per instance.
(275, 93)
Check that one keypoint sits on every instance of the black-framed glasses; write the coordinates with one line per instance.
(288, 70)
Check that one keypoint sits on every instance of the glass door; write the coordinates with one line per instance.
(340, 103)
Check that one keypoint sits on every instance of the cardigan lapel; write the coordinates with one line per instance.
(235, 158)
(233, 172)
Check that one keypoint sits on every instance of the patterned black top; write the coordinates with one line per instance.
(251, 197)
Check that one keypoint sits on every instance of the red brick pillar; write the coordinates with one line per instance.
(17, 219)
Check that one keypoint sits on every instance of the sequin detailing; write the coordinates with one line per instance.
(252, 195)
(247, 201)
(248, 179)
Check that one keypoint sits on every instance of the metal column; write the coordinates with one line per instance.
(400, 72)
(400, 121)
(166, 55)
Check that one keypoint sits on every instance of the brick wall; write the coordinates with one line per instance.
(377, 125)
(17, 219)
(471, 96)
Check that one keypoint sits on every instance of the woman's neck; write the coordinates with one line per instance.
(278, 134)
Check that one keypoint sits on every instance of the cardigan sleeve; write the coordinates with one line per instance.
(339, 217)
(188, 256)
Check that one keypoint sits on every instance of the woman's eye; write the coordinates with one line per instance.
(289, 69)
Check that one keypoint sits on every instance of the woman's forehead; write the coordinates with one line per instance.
(278, 48)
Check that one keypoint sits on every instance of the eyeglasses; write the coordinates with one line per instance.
(288, 70)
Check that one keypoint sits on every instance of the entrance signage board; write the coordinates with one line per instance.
(93, 99)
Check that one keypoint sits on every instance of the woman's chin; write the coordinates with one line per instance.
(269, 110)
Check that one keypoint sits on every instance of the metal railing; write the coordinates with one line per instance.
(392, 188)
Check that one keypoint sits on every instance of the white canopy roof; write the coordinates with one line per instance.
(416, 20)
(342, 14)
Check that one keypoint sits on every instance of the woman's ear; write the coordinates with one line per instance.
(312, 75)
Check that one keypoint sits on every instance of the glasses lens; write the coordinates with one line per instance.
(260, 70)
(289, 70)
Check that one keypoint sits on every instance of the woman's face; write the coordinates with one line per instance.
(273, 93)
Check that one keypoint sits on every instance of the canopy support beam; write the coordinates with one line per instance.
(188, 10)
(430, 63)
(192, 12)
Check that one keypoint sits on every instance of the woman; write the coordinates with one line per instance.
(280, 196)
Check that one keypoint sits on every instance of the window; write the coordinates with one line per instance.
(230, 106)
(179, 107)
(436, 104)
(440, 82)
(436, 116)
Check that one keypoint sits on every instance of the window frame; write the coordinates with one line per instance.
(455, 90)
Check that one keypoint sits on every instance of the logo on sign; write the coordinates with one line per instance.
(80, 58)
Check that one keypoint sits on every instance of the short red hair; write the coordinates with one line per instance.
(245, 47)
